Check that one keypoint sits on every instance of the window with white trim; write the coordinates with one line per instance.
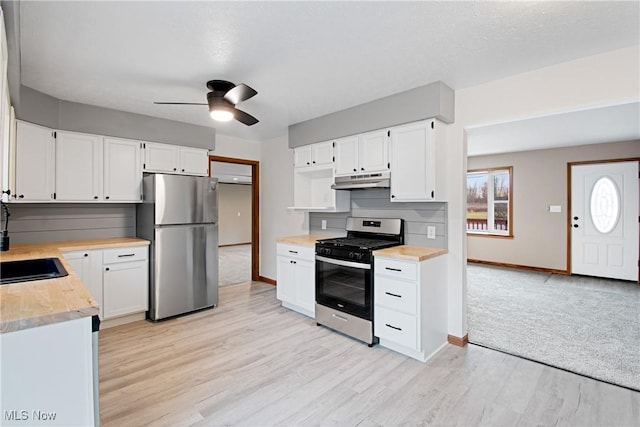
(489, 195)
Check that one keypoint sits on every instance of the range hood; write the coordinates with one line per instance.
(364, 180)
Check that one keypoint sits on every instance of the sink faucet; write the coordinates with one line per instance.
(4, 235)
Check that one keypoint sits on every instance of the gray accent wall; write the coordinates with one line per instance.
(34, 223)
(375, 203)
(42, 109)
(424, 102)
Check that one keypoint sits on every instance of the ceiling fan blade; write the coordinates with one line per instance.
(180, 103)
(243, 117)
(240, 93)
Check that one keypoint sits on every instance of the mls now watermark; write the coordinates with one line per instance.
(24, 415)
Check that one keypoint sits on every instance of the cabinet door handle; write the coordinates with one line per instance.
(393, 269)
(86, 255)
(95, 197)
(355, 170)
(393, 197)
(182, 170)
(106, 269)
(293, 252)
(361, 169)
(125, 255)
(21, 196)
(393, 327)
(393, 295)
(174, 169)
(107, 197)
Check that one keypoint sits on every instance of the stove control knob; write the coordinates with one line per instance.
(352, 255)
(358, 256)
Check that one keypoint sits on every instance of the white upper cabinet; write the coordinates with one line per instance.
(373, 151)
(160, 157)
(167, 158)
(322, 153)
(362, 153)
(347, 156)
(122, 170)
(35, 154)
(78, 167)
(194, 161)
(319, 154)
(302, 156)
(413, 160)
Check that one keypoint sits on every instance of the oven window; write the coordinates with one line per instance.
(347, 285)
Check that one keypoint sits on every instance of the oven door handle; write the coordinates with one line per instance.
(359, 265)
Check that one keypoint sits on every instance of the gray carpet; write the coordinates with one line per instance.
(234, 264)
(586, 325)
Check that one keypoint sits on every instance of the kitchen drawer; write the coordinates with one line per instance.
(396, 294)
(295, 251)
(396, 269)
(397, 327)
(132, 253)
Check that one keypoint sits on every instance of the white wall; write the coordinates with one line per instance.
(238, 148)
(606, 79)
(234, 214)
(276, 194)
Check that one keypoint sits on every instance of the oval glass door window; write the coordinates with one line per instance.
(605, 205)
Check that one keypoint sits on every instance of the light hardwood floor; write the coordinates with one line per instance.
(251, 362)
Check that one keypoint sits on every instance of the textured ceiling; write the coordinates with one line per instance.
(305, 59)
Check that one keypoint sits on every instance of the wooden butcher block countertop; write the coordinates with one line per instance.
(302, 240)
(26, 305)
(409, 253)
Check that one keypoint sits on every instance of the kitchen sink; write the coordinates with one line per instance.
(31, 269)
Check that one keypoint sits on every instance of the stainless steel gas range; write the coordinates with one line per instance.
(344, 275)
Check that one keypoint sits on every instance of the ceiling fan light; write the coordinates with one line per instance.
(221, 115)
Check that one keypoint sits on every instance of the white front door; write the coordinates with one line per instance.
(604, 220)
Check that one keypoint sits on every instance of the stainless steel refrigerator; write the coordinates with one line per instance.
(179, 215)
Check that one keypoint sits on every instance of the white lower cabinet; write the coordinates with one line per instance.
(88, 265)
(118, 278)
(47, 375)
(296, 284)
(410, 305)
(125, 285)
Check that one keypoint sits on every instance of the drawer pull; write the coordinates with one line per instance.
(125, 255)
(393, 327)
(393, 269)
(340, 318)
(393, 295)
(293, 252)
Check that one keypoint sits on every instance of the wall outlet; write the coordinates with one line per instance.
(431, 232)
(324, 224)
(555, 208)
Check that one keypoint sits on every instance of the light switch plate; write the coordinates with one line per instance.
(431, 232)
(324, 224)
(555, 208)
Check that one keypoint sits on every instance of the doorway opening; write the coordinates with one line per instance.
(236, 237)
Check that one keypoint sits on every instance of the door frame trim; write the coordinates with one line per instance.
(584, 162)
(255, 208)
